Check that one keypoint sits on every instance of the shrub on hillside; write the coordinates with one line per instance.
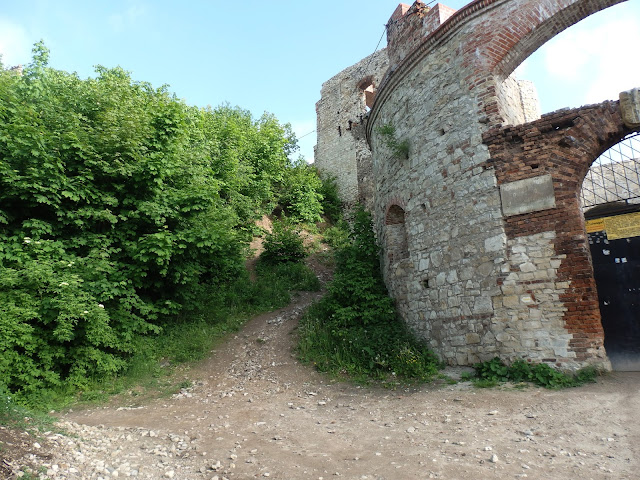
(354, 328)
(331, 203)
(301, 192)
(284, 243)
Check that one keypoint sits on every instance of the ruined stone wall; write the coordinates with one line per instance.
(518, 100)
(477, 267)
(611, 183)
(551, 289)
(342, 150)
(455, 288)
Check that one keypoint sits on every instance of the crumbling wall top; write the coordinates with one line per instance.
(410, 25)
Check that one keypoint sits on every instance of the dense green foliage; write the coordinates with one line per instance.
(284, 243)
(188, 338)
(301, 193)
(495, 371)
(331, 203)
(338, 235)
(354, 329)
(121, 208)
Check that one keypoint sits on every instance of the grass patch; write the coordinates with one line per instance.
(17, 416)
(495, 372)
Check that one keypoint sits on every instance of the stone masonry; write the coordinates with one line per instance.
(484, 246)
(342, 150)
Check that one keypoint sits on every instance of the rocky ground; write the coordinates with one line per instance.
(255, 412)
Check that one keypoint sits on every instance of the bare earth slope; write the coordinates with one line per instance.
(255, 412)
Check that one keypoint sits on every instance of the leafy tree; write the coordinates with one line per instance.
(301, 192)
(120, 207)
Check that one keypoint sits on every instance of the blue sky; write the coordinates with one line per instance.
(274, 55)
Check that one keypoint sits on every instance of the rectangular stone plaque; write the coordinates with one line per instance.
(528, 195)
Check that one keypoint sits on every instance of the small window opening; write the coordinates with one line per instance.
(368, 91)
(396, 234)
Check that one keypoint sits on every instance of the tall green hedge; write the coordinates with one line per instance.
(120, 206)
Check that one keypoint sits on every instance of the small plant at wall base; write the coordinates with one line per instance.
(399, 148)
(354, 329)
(495, 371)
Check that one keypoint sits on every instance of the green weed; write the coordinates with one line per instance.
(495, 372)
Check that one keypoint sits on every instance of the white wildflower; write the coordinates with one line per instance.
(100, 305)
(26, 240)
(63, 284)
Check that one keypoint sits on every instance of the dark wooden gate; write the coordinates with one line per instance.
(616, 265)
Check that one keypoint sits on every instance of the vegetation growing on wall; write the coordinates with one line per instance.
(398, 148)
(120, 209)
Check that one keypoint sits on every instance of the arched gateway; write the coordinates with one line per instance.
(498, 259)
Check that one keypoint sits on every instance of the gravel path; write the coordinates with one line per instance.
(255, 412)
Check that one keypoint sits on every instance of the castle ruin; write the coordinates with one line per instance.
(485, 247)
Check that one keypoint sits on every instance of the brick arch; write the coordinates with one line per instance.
(525, 25)
(395, 215)
(396, 237)
(392, 205)
(507, 35)
(494, 38)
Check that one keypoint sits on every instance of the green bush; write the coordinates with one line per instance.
(337, 236)
(120, 208)
(301, 192)
(284, 243)
(331, 203)
(354, 329)
(495, 371)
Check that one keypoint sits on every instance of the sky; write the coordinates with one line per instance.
(273, 55)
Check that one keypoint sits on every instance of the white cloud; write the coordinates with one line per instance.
(15, 45)
(599, 54)
(120, 21)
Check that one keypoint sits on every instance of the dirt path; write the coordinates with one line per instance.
(255, 412)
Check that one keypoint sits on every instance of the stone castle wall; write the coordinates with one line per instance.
(483, 240)
(342, 150)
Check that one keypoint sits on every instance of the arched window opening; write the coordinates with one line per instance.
(396, 234)
(395, 215)
(368, 91)
(610, 199)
